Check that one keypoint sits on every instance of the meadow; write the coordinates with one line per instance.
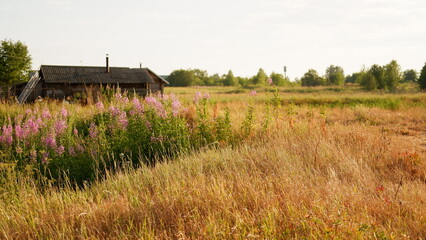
(216, 163)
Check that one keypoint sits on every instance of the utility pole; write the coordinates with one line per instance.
(285, 72)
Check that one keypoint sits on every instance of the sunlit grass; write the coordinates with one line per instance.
(323, 168)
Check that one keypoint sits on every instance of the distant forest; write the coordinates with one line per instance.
(375, 77)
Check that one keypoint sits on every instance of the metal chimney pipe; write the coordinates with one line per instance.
(140, 65)
(108, 70)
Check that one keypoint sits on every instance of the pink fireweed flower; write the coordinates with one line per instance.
(164, 97)
(60, 150)
(99, 106)
(158, 106)
(46, 114)
(253, 93)
(114, 111)
(29, 112)
(197, 97)
(270, 81)
(93, 130)
(75, 131)
(45, 158)
(121, 99)
(64, 112)
(122, 120)
(40, 122)
(150, 100)
(50, 141)
(22, 132)
(175, 106)
(7, 134)
(71, 151)
(33, 126)
(60, 127)
(139, 108)
(19, 132)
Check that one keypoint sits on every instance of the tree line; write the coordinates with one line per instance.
(376, 77)
(15, 65)
(197, 77)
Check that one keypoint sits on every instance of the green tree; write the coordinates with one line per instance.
(279, 80)
(368, 80)
(378, 73)
(202, 76)
(393, 75)
(410, 75)
(311, 78)
(335, 75)
(422, 78)
(15, 62)
(260, 78)
(352, 78)
(184, 78)
(230, 80)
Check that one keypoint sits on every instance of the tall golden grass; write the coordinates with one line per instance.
(335, 173)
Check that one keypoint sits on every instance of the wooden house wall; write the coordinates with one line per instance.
(157, 86)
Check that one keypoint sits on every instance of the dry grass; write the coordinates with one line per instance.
(355, 174)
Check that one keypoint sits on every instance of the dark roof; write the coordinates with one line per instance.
(83, 74)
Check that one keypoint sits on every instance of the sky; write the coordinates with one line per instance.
(220, 35)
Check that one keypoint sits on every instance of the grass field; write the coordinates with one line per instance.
(297, 164)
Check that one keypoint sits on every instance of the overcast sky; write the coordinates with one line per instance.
(218, 35)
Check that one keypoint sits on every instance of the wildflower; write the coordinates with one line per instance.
(197, 97)
(158, 106)
(71, 151)
(19, 132)
(150, 100)
(45, 157)
(75, 131)
(64, 112)
(270, 81)
(120, 98)
(50, 141)
(165, 97)
(60, 127)
(46, 114)
(206, 96)
(253, 93)
(7, 134)
(93, 130)
(139, 108)
(122, 120)
(100, 106)
(114, 111)
(380, 188)
(40, 122)
(60, 150)
(175, 106)
(33, 126)
(28, 111)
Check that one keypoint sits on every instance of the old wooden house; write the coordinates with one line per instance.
(62, 82)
